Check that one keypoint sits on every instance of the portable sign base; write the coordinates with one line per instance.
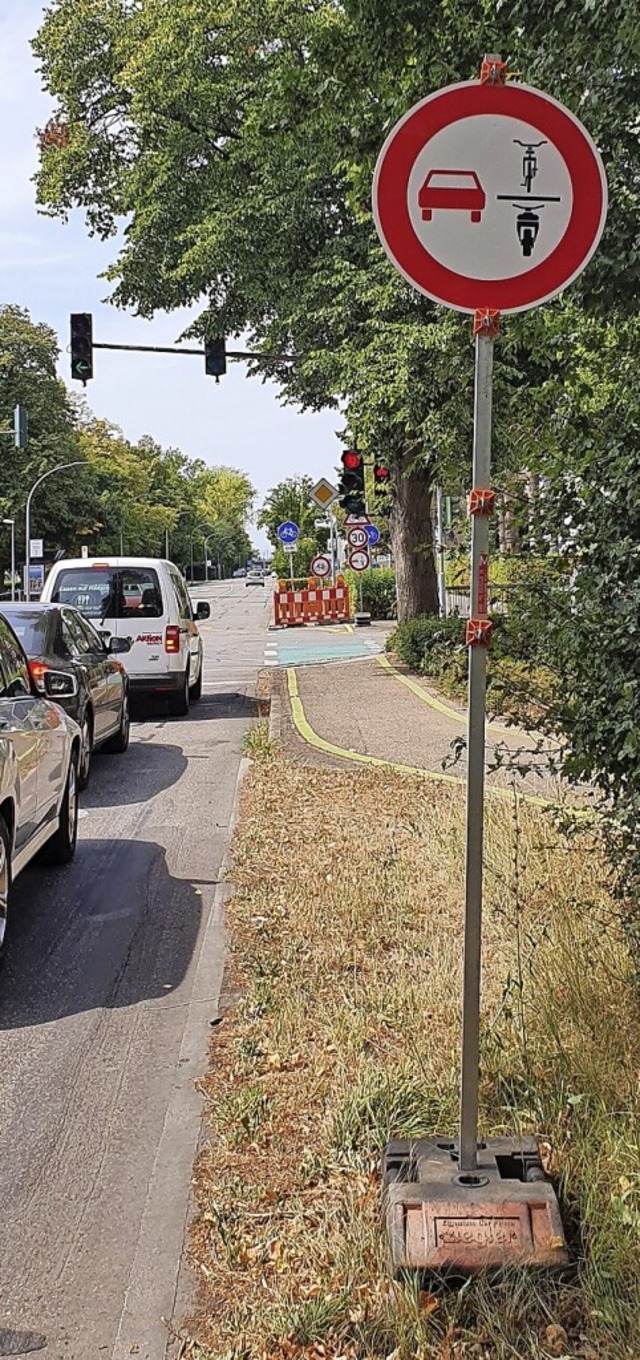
(437, 1221)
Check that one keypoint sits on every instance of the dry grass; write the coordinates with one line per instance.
(346, 930)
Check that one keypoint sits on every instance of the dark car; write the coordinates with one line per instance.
(58, 638)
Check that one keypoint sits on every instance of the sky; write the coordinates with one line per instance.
(53, 269)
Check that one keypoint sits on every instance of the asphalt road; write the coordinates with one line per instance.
(112, 978)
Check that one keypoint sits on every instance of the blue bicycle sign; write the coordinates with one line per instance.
(373, 534)
(287, 532)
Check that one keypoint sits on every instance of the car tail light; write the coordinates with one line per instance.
(37, 670)
(172, 638)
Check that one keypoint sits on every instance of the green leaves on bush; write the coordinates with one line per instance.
(378, 591)
(420, 643)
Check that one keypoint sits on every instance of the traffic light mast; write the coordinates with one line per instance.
(351, 490)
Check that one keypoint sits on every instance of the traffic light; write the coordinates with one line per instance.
(81, 346)
(215, 357)
(381, 479)
(351, 485)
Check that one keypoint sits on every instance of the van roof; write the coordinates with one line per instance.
(106, 561)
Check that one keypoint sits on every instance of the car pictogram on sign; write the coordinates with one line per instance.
(460, 189)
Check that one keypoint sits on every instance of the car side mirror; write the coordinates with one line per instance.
(119, 644)
(59, 685)
(203, 610)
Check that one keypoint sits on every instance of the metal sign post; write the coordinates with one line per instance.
(468, 1160)
(489, 197)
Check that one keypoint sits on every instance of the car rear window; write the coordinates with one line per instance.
(110, 592)
(33, 629)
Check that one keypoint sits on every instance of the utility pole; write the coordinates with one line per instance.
(13, 555)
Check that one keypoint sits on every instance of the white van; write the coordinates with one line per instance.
(145, 600)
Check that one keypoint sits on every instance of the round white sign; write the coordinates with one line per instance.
(358, 538)
(320, 566)
(489, 196)
(359, 559)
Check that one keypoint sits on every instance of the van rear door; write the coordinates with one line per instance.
(121, 601)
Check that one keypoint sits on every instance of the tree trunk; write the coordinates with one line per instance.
(412, 539)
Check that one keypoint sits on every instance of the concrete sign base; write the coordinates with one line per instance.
(442, 1222)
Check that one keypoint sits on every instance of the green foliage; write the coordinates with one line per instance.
(378, 591)
(123, 496)
(418, 639)
(241, 152)
(291, 500)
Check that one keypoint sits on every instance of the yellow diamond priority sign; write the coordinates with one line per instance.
(324, 494)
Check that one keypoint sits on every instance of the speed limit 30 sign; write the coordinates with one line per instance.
(489, 196)
(358, 538)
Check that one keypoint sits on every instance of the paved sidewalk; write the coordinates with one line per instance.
(365, 709)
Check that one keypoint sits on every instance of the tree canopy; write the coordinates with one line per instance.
(122, 495)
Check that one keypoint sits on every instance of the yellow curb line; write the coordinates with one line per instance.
(438, 704)
(307, 733)
(304, 728)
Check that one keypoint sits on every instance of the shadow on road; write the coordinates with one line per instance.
(228, 703)
(143, 771)
(113, 929)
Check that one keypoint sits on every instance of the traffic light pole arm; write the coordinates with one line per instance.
(230, 353)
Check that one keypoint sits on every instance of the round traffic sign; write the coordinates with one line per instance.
(359, 559)
(288, 531)
(373, 534)
(357, 538)
(489, 196)
(320, 566)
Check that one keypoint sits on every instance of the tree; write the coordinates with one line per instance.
(269, 118)
(291, 500)
(28, 355)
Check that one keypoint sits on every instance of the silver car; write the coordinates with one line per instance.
(39, 754)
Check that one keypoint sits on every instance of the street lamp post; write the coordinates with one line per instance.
(206, 556)
(187, 511)
(13, 555)
(199, 529)
(60, 467)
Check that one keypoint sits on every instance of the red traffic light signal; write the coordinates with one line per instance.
(351, 460)
(351, 486)
(381, 478)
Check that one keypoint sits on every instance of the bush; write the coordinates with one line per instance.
(419, 639)
(519, 686)
(378, 592)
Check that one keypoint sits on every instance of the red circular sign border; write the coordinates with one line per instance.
(407, 252)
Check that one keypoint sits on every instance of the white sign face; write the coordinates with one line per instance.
(502, 216)
(359, 559)
(290, 548)
(358, 538)
(320, 566)
(36, 547)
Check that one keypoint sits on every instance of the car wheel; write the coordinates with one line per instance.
(119, 744)
(5, 884)
(179, 703)
(84, 768)
(62, 847)
(195, 692)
